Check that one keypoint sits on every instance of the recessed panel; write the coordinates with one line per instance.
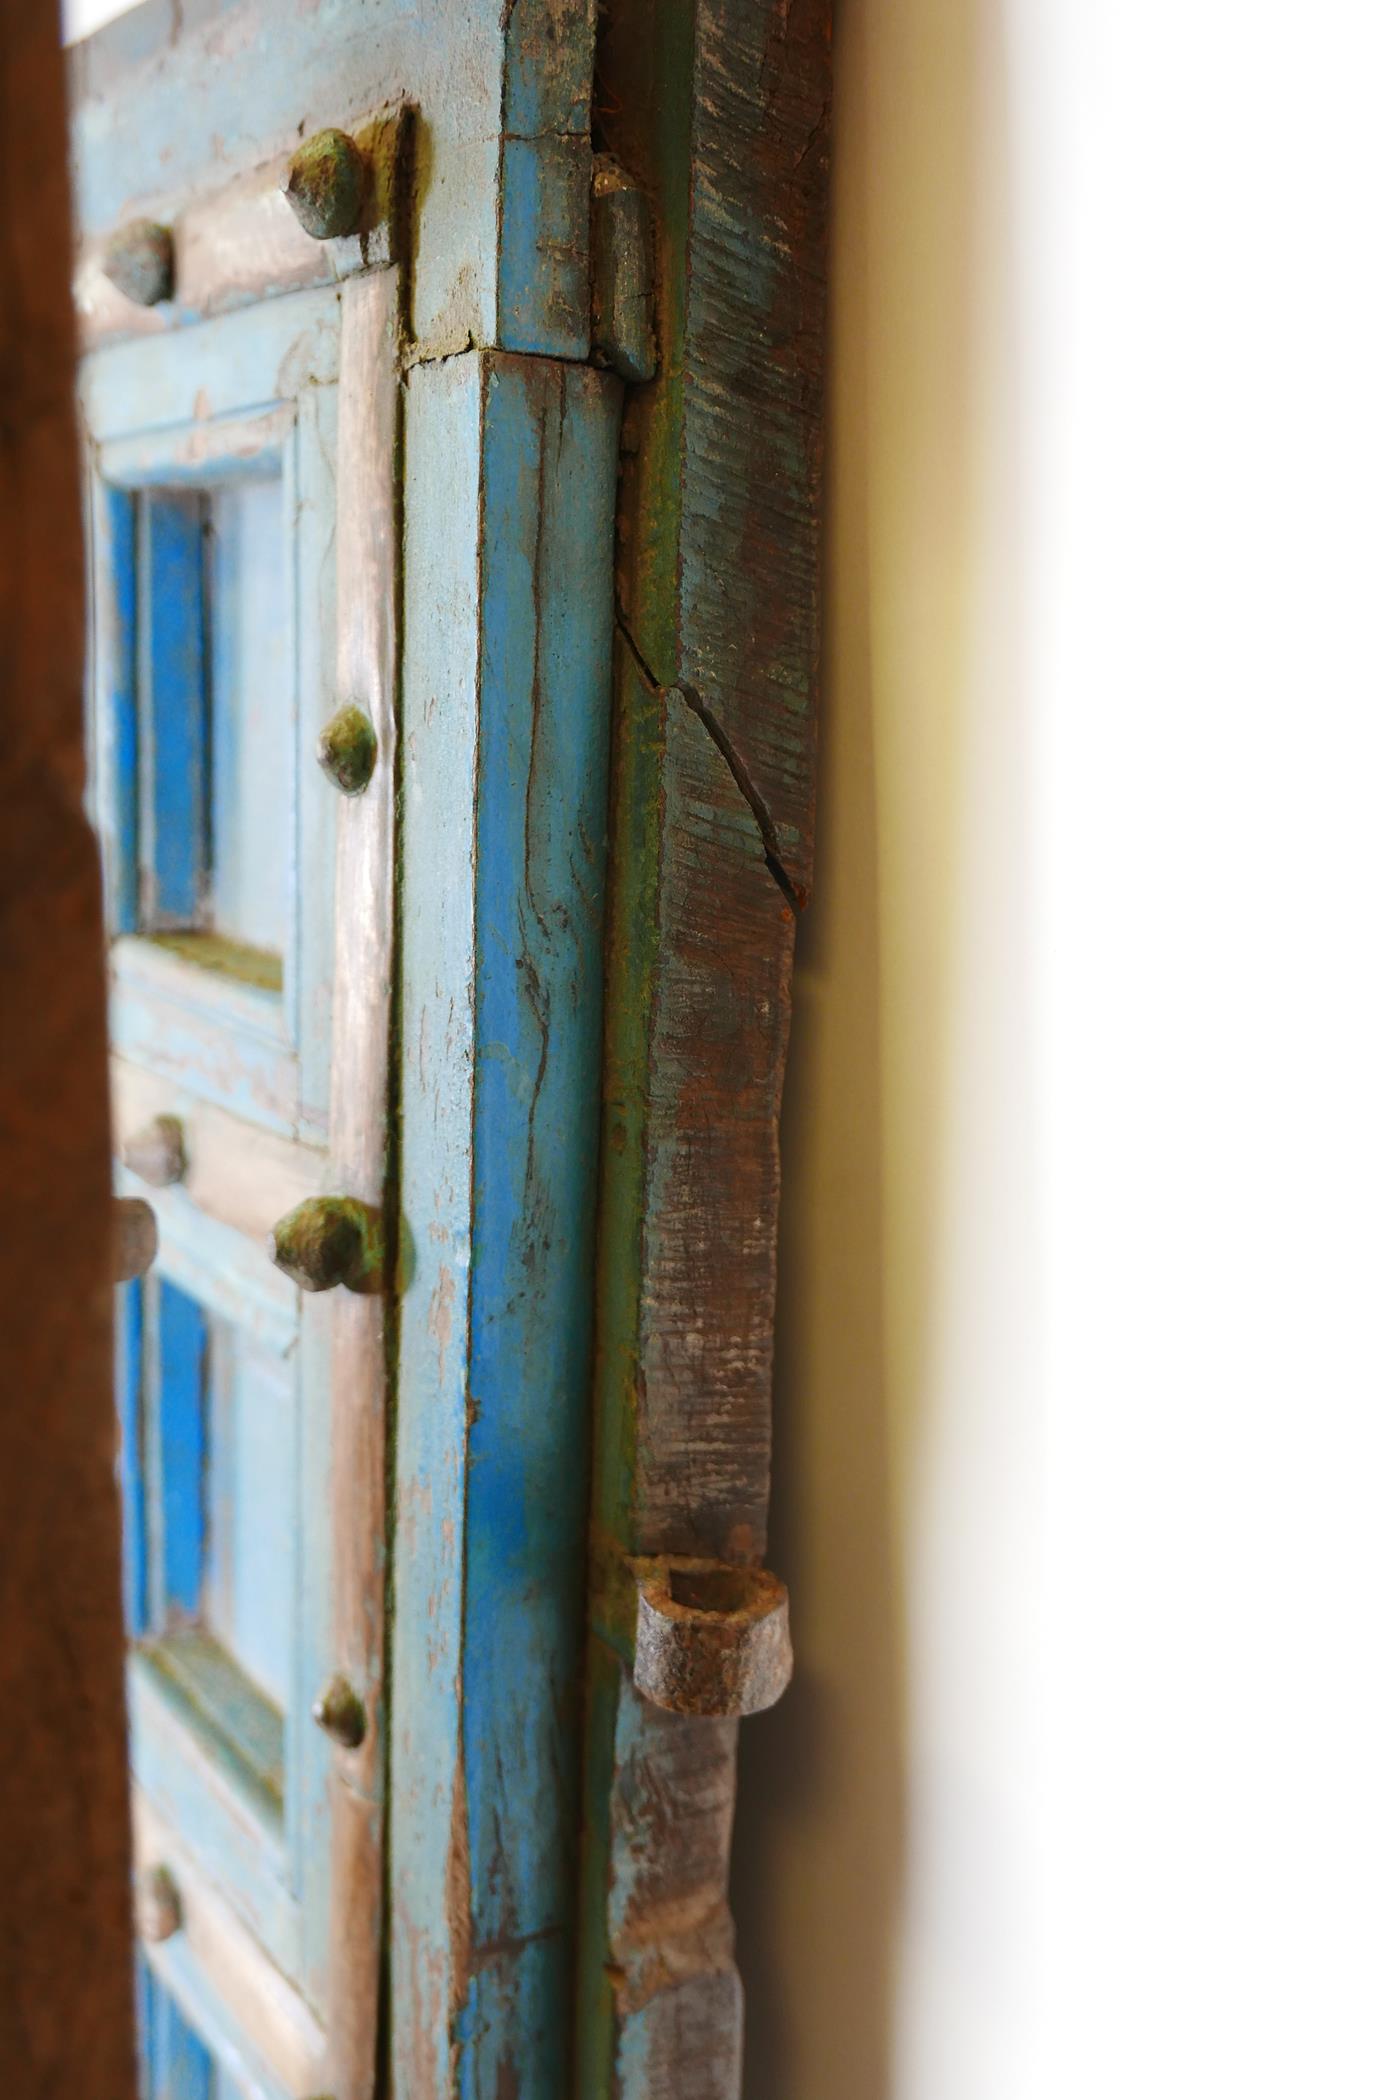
(250, 681)
(215, 806)
(252, 1508)
(213, 1575)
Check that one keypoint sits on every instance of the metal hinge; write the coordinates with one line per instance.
(624, 336)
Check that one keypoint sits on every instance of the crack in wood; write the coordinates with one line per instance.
(719, 736)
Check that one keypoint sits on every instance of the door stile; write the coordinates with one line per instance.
(367, 548)
(719, 109)
(509, 483)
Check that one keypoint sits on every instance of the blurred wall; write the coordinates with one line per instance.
(81, 17)
(1089, 1399)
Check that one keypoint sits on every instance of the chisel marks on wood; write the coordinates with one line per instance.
(678, 1999)
(719, 109)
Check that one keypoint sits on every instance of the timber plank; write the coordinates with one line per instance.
(719, 109)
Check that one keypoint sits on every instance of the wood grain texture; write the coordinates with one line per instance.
(66, 2021)
(367, 556)
(719, 108)
(233, 1174)
(509, 485)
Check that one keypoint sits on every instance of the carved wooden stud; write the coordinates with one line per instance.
(140, 261)
(156, 1152)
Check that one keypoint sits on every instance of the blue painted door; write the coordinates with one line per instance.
(216, 459)
(351, 516)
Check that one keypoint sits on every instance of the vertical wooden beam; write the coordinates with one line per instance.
(719, 108)
(367, 567)
(66, 2010)
(511, 465)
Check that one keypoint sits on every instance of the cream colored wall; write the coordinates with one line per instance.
(1088, 1415)
(906, 1318)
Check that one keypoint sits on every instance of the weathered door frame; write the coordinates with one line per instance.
(720, 110)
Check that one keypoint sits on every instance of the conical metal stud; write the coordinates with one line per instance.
(328, 1240)
(325, 185)
(347, 750)
(340, 1711)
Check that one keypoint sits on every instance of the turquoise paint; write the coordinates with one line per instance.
(251, 712)
(510, 466)
(541, 850)
(479, 74)
(236, 367)
(249, 1591)
(228, 1513)
(231, 2067)
(267, 586)
(199, 1788)
(544, 281)
(500, 1143)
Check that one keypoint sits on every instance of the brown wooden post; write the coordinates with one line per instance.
(66, 1992)
(718, 110)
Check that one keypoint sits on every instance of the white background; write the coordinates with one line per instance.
(1089, 1409)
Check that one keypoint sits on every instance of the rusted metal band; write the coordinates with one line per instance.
(710, 1639)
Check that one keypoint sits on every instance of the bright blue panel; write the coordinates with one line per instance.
(120, 701)
(180, 1358)
(129, 1343)
(175, 764)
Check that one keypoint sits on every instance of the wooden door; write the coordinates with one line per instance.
(363, 289)
(351, 580)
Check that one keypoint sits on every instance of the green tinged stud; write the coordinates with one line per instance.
(325, 185)
(348, 749)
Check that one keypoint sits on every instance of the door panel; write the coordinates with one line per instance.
(251, 718)
(251, 1558)
(218, 603)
